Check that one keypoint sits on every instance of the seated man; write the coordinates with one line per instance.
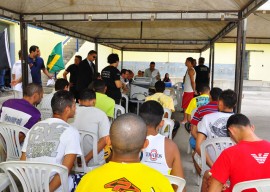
(165, 101)
(23, 112)
(90, 118)
(125, 172)
(211, 107)
(198, 101)
(60, 84)
(162, 153)
(247, 160)
(124, 79)
(60, 141)
(214, 125)
(103, 102)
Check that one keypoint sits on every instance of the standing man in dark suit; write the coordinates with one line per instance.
(86, 71)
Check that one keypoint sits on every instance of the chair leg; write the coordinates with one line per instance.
(188, 149)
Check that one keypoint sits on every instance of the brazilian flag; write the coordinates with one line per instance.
(55, 60)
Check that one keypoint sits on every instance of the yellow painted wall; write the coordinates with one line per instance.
(44, 39)
(259, 62)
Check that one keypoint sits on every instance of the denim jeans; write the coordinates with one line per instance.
(2, 77)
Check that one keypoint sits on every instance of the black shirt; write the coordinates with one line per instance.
(202, 72)
(110, 74)
(73, 70)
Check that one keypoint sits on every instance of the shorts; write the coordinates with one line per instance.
(192, 142)
(186, 99)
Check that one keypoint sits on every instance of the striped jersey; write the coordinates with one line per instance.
(211, 107)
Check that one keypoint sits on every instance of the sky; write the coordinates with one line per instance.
(266, 6)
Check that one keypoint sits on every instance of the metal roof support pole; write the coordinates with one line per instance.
(24, 48)
(239, 68)
(210, 60)
(213, 66)
(96, 49)
(122, 59)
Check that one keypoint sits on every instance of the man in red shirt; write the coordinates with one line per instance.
(247, 160)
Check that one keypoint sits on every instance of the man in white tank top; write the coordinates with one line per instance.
(189, 86)
(162, 153)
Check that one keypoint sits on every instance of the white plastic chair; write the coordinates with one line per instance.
(34, 176)
(178, 92)
(167, 111)
(177, 181)
(261, 185)
(167, 128)
(46, 113)
(10, 134)
(218, 145)
(118, 110)
(127, 100)
(4, 181)
(84, 168)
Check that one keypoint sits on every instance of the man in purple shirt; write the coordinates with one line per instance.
(23, 112)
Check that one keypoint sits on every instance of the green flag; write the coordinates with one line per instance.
(55, 60)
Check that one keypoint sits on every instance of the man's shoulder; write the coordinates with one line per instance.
(15, 103)
(55, 123)
(170, 145)
(105, 97)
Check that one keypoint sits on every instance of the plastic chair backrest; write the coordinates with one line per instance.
(4, 181)
(34, 176)
(167, 128)
(168, 111)
(118, 110)
(46, 113)
(126, 98)
(178, 85)
(84, 168)
(218, 144)
(10, 134)
(261, 185)
(177, 181)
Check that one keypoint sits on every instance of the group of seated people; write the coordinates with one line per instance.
(210, 115)
(138, 151)
(131, 150)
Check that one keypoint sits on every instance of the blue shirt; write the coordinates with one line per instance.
(38, 64)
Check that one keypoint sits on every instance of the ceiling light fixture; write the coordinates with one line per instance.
(222, 17)
(152, 17)
(90, 17)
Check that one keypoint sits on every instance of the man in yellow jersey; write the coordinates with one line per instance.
(125, 172)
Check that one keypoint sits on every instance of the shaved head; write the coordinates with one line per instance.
(128, 134)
